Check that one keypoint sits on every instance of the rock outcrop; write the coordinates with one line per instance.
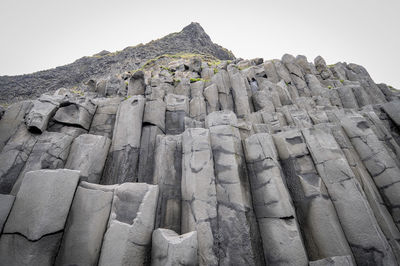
(197, 160)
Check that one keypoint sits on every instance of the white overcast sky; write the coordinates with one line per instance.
(41, 34)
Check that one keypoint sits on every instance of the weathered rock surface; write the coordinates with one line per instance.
(128, 236)
(199, 196)
(168, 176)
(88, 154)
(85, 227)
(121, 165)
(243, 162)
(170, 249)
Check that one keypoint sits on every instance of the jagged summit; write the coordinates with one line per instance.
(192, 39)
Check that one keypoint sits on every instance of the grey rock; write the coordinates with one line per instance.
(262, 100)
(14, 156)
(322, 70)
(146, 155)
(272, 203)
(12, 118)
(154, 113)
(223, 83)
(334, 261)
(121, 165)
(211, 96)
(104, 118)
(196, 88)
(198, 108)
(136, 85)
(88, 155)
(77, 112)
(85, 227)
(35, 212)
(238, 231)
(128, 237)
(381, 166)
(323, 235)
(16, 250)
(221, 118)
(50, 152)
(354, 212)
(171, 249)
(392, 109)
(177, 103)
(168, 175)
(375, 200)
(199, 197)
(296, 74)
(38, 117)
(6, 202)
(270, 71)
(175, 122)
(239, 93)
(347, 97)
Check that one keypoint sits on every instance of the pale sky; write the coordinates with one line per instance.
(41, 34)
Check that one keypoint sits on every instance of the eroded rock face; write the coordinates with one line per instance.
(34, 227)
(85, 227)
(244, 162)
(170, 249)
(78, 112)
(128, 236)
(122, 161)
(199, 196)
(88, 154)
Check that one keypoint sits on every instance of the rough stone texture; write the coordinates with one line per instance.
(199, 196)
(16, 250)
(12, 118)
(146, 155)
(334, 261)
(77, 112)
(121, 165)
(323, 235)
(50, 152)
(381, 166)
(272, 204)
(332, 194)
(393, 111)
(6, 202)
(38, 117)
(104, 118)
(239, 236)
(171, 249)
(88, 154)
(168, 175)
(42, 203)
(354, 212)
(128, 237)
(192, 39)
(14, 156)
(154, 113)
(85, 227)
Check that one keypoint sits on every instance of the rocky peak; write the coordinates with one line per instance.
(192, 39)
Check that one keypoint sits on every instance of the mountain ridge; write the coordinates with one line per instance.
(191, 39)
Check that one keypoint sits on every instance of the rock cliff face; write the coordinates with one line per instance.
(192, 159)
